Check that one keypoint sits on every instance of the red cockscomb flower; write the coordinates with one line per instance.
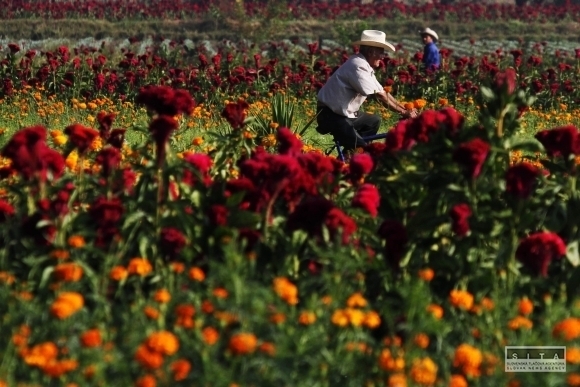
(368, 198)
(521, 179)
(235, 113)
(288, 143)
(396, 237)
(471, 155)
(538, 250)
(161, 129)
(81, 136)
(360, 165)
(109, 159)
(460, 214)
(561, 141)
(171, 242)
(165, 100)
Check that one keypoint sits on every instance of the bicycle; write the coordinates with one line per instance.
(340, 151)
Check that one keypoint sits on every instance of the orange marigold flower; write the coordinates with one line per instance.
(220, 293)
(356, 300)
(68, 272)
(151, 312)
(139, 266)
(286, 290)
(56, 369)
(118, 273)
(389, 363)
(177, 267)
(277, 318)
(67, 304)
(210, 335)
(180, 369)
(426, 274)
(409, 105)
(207, 307)
(267, 348)
(162, 296)
(148, 358)
(196, 274)
(397, 380)
(185, 313)
(146, 381)
(424, 371)
(20, 338)
(356, 317)
(76, 241)
(393, 341)
(307, 318)
(458, 381)
(489, 364)
(461, 299)
(487, 303)
(435, 310)
(326, 300)
(573, 355)
(197, 141)
(163, 342)
(568, 329)
(40, 354)
(525, 306)
(6, 278)
(520, 322)
(421, 340)
(91, 338)
(340, 318)
(243, 343)
(573, 380)
(372, 319)
(468, 359)
(361, 347)
(60, 254)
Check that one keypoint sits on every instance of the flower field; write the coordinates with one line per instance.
(170, 218)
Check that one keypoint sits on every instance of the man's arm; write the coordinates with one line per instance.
(388, 101)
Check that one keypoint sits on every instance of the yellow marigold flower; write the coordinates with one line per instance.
(421, 340)
(356, 317)
(356, 301)
(307, 318)
(426, 274)
(151, 313)
(76, 241)
(573, 380)
(461, 299)
(573, 355)
(389, 363)
(196, 274)
(139, 266)
(458, 381)
(525, 306)
(424, 371)
(163, 342)
(162, 296)
(273, 125)
(67, 304)
(60, 140)
(210, 335)
(118, 273)
(372, 319)
(68, 272)
(82, 105)
(97, 144)
(468, 359)
(340, 318)
(286, 290)
(435, 310)
(397, 380)
(243, 343)
(568, 329)
(520, 322)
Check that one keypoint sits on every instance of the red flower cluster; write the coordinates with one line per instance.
(505, 82)
(201, 164)
(31, 157)
(471, 155)
(411, 131)
(314, 213)
(396, 237)
(562, 141)
(165, 100)
(521, 179)
(538, 250)
(460, 214)
(368, 198)
(106, 214)
(360, 165)
(81, 137)
(171, 242)
(235, 113)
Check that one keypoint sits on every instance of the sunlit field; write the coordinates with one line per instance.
(171, 217)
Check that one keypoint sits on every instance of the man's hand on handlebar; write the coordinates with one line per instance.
(410, 113)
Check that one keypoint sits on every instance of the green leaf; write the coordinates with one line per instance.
(528, 145)
(572, 253)
(487, 93)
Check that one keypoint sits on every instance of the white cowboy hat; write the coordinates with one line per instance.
(374, 38)
(430, 32)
